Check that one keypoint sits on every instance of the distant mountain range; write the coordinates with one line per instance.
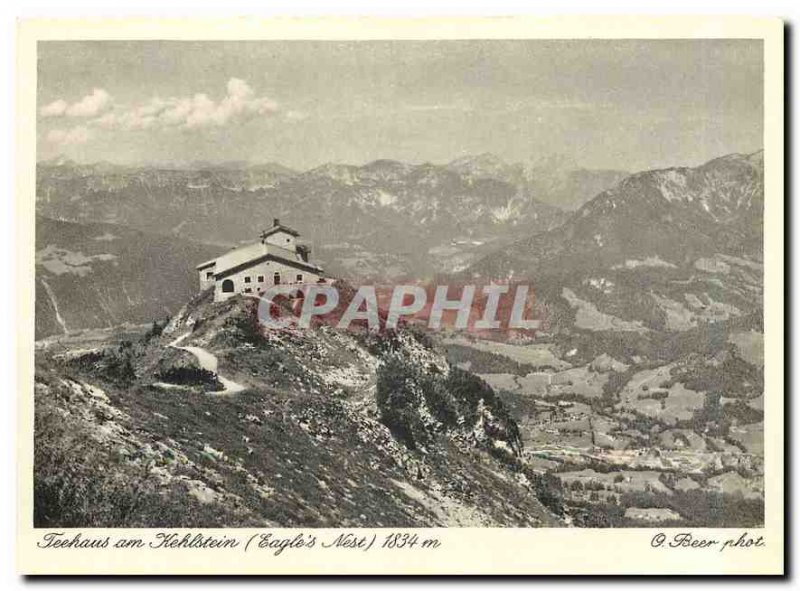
(476, 216)
(554, 180)
(385, 218)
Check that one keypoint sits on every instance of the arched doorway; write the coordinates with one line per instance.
(227, 286)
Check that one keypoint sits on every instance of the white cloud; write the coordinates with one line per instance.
(89, 106)
(239, 103)
(192, 112)
(68, 137)
(54, 109)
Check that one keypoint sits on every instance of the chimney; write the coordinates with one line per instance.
(276, 222)
(304, 250)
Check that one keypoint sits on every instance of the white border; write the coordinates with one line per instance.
(300, 7)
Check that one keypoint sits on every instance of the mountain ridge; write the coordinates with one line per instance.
(687, 212)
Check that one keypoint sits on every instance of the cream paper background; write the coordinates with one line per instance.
(463, 550)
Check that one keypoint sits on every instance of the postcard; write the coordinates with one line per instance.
(435, 296)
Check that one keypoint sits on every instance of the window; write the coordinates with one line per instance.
(247, 279)
(227, 286)
(209, 274)
(288, 240)
(247, 290)
(276, 279)
(300, 278)
(261, 279)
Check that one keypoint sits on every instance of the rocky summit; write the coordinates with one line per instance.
(293, 428)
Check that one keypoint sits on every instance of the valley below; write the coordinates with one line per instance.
(629, 443)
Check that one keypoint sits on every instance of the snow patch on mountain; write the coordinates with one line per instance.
(653, 261)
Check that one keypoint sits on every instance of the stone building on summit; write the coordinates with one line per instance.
(278, 258)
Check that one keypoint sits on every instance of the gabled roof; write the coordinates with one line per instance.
(239, 256)
(297, 264)
(254, 253)
(279, 228)
(210, 263)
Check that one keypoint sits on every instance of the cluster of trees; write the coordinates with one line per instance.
(118, 364)
(697, 508)
(456, 401)
(485, 361)
(702, 508)
(189, 376)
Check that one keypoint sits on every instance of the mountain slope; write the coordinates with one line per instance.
(676, 214)
(664, 249)
(643, 391)
(333, 430)
(100, 275)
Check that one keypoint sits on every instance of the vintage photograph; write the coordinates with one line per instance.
(419, 283)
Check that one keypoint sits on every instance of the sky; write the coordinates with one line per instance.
(616, 104)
